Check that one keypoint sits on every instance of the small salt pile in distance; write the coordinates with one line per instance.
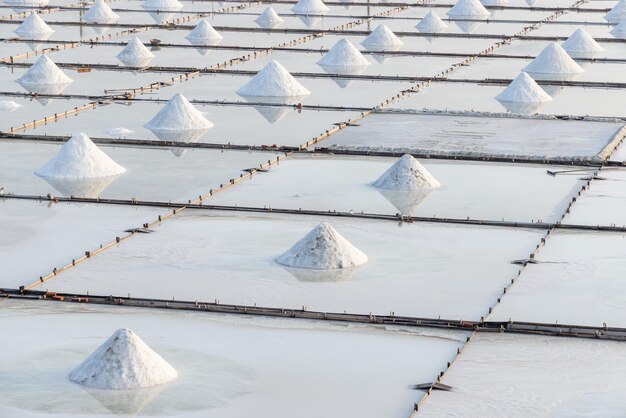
(553, 63)
(162, 5)
(135, 54)
(80, 158)
(269, 18)
(273, 81)
(34, 26)
(407, 174)
(468, 8)
(310, 7)
(43, 72)
(123, 362)
(382, 39)
(100, 12)
(431, 23)
(322, 248)
(617, 14)
(581, 44)
(343, 54)
(203, 34)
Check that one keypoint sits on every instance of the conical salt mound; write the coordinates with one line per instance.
(123, 361)
(310, 7)
(553, 60)
(203, 32)
(323, 248)
(406, 174)
(134, 50)
(431, 23)
(43, 72)
(343, 54)
(620, 30)
(523, 89)
(162, 5)
(273, 81)
(33, 25)
(80, 158)
(617, 13)
(100, 12)
(468, 8)
(178, 115)
(494, 2)
(581, 42)
(382, 36)
(269, 18)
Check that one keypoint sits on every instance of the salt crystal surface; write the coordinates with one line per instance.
(123, 361)
(523, 89)
(9, 106)
(273, 80)
(33, 25)
(80, 158)
(43, 72)
(382, 36)
(162, 5)
(322, 248)
(581, 42)
(100, 12)
(343, 54)
(269, 18)
(203, 32)
(553, 60)
(617, 14)
(468, 8)
(314, 7)
(178, 115)
(431, 23)
(406, 174)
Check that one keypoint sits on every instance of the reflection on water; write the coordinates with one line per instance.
(320, 276)
(188, 136)
(467, 26)
(343, 70)
(405, 201)
(161, 17)
(88, 187)
(311, 21)
(203, 42)
(44, 89)
(125, 402)
(273, 114)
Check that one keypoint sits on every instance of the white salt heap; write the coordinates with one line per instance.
(269, 18)
(343, 54)
(431, 23)
(134, 50)
(468, 8)
(80, 158)
(523, 89)
(323, 248)
(581, 42)
(162, 5)
(203, 32)
(9, 106)
(33, 25)
(178, 115)
(553, 60)
(100, 12)
(43, 72)
(620, 30)
(617, 14)
(124, 361)
(310, 7)
(273, 81)
(382, 36)
(406, 174)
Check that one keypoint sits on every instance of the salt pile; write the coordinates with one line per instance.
(178, 115)
(310, 7)
(162, 5)
(33, 25)
(9, 106)
(135, 53)
(323, 248)
(617, 14)
(124, 361)
(273, 81)
(43, 72)
(203, 32)
(620, 30)
(80, 158)
(343, 54)
(406, 174)
(100, 12)
(431, 23)
(269, 18)
(468, 8)
(523, 89)
(382, 36)
(553, 60)
(580, 43)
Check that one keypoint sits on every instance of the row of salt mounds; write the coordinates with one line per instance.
(44, 76)
(617, 14)
(100, 12)
(553, 63)
(162, 5)
(310, 7)
(122, 362)
(269, 18)
(203, 34)
(407, 174)
(523, 95)
(135, 54)
(343, 54)
(468, 8)
(581, 44)
(431, 23)
(80, 158)
(33, 25)
(322, 248)
(382, 39)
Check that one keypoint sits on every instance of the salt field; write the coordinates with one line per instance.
(312, 209)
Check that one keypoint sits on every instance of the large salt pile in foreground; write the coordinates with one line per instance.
(553, 60)
(33, 25)
(468, 8)
(431, 23)
(581, 43)
(269, 18)
(617, 13)
(273, 81)
(382, 37)
(162, 5)
(178, 115)
(406, 174)
(343, 54)
(203, 32)
(523, 89)
(80, 158)
(43, 72)
(323, 248)
(135, 53)
(310, 7)
(124, 361)
(100, 12)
